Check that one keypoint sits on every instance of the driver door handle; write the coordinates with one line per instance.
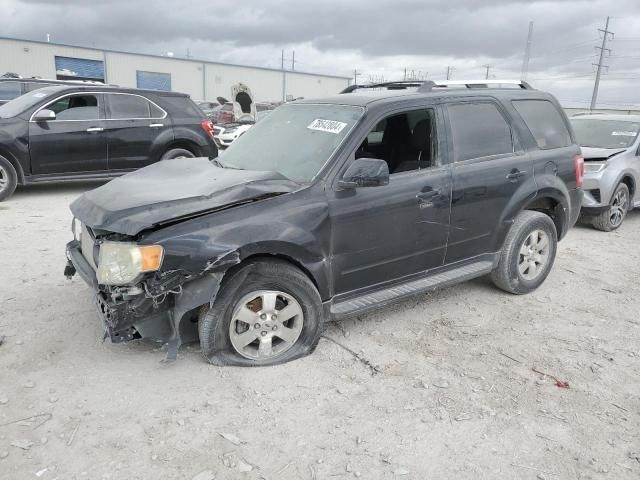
(515, 175)
(95, 129)
(156, 125)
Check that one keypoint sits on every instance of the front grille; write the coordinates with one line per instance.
(595, 194)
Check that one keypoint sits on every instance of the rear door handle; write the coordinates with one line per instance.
(95, 129)
(516, 175)
(156, 125)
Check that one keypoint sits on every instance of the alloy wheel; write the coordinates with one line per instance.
(4, 178)
(618, 208)
(534, 255)
(265, 323)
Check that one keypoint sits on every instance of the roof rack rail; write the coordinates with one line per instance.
(483, 83)
(430, 85)
(399, 85)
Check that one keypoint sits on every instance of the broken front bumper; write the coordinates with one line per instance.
(124, 317)
(131, 312)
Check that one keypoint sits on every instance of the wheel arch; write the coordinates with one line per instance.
(629, 181)
(15, 163)
(553, 208)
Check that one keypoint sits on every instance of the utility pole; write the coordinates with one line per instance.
(603, 48)
(405, 73)
(487, 67)
(284, 79)
(293, 61)
(356, 74)
(449, 72)
(527, 54)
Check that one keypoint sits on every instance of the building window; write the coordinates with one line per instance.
(153, 80)
(68, 68)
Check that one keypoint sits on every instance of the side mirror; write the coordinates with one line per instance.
(44, 115)
(365, 172)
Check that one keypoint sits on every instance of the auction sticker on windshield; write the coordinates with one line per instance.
(330, 126)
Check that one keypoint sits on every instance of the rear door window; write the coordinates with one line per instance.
(127, 107)
(478, 130)
(544, 122)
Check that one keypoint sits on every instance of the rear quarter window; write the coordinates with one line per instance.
(545, 123)
(180, 106)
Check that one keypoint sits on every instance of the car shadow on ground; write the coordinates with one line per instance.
(69, 187)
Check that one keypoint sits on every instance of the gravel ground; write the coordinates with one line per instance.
(438, 387)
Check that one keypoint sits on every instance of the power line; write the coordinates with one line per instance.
(603, 48)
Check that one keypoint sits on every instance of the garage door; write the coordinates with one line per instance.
(154, 80)
(68, 68)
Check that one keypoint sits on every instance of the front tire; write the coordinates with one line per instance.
(611, 219)
(8, 179)
(177, 153)
(266, 313)
(528, 253)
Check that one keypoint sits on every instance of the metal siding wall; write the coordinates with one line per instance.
(186, 75)
(38, 59)
(266, 85)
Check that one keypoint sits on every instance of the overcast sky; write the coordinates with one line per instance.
(379, 39)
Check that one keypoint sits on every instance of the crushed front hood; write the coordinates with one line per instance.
(592, 153)
(170, 190)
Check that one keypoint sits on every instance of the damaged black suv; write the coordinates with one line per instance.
(329, 208)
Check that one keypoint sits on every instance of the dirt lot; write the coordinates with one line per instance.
(438, 387)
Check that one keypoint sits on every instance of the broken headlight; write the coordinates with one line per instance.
(121, 263)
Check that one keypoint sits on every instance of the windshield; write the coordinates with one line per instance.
(24, 102)
(294, 140)
(600, 133)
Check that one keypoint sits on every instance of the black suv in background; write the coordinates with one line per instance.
(328, 208)
(91, 132)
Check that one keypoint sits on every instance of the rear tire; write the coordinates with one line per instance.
(177, 153)
(245, 328)
(8, 179)
(528, 253)
(612, 218)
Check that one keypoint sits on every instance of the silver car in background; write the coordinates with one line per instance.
(611, 148)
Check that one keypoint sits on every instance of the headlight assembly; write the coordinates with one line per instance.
(121, 263)
(594, 167)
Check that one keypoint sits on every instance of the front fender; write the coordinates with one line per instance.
(215, 246)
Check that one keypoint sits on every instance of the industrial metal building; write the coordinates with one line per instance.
(201, 79)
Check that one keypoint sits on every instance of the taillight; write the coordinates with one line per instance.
(578, 164)
(207, 126)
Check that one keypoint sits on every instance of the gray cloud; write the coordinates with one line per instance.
(378, 38)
